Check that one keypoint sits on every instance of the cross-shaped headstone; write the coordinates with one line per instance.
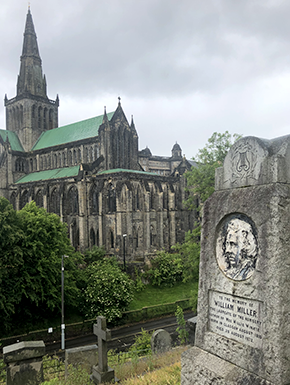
(104, 335)
(102, 373)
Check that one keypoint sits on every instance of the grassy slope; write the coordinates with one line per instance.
(155, 296)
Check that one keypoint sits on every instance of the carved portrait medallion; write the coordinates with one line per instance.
(237, 247)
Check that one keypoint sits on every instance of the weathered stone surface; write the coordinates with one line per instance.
(160, 341)
(191, 323)
(243, 300)
(24, 363)
(202, 368)
(85, 357)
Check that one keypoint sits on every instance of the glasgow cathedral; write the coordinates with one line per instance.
(90, 173)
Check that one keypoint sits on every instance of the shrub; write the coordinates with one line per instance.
(109, 291)
(181, 330)
(166, 269)
(142, 344)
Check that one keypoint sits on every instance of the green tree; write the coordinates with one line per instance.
(201, 179)
(11, 260)
(32, 243)
(166, 269)
(188, 252)
(108, 292)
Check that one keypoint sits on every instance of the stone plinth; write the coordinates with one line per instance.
(243, 329)
(85, 357)
(24, 362)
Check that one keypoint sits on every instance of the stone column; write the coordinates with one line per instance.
(24, 363)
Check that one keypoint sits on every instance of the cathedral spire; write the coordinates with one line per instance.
(30, 79)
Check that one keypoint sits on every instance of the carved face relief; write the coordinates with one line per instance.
(237, 247)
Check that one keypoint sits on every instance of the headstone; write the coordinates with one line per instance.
(85, 357)
(191, 322)
(243, 327)
(102, 372)
(24, 363)
(160, 341)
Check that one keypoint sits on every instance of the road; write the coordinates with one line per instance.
(122, 337)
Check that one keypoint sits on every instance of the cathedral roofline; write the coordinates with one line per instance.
(70, 133)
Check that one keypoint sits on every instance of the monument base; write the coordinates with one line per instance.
(202, 368)
(99, 377)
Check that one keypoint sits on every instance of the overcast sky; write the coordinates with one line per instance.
(183, 68)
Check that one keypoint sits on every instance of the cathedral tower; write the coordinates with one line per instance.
(31, 112)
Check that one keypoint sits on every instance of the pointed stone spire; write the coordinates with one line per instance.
(105, 117)
(30, 79)
(132, 125)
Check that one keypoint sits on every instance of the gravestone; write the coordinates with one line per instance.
(24, 363)
(160, 341)
(243, 328)
(84, 356)
(102, 372)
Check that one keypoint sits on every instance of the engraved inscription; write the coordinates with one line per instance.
(236, 318)
(237, 247)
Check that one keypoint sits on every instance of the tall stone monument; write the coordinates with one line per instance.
(243, 328)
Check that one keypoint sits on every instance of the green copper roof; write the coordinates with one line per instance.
(71, 133)
(124, 170)
(65, 172)
(13, 139)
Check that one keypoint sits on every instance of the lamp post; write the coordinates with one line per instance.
(62, 304)
(124, 250)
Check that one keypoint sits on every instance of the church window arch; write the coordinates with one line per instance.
(153, 199)
(54, 161)
(41, 163)
(39, 198)
(45, 118)
(24, 199)
(21, 114)
(54, 204)
(95, 200)
(31, 164)
(79, 155)
(44, 163)
(48, 161)
(112, 239)
(152, 236)
(13, 200)
(165, 198)
(50, 118)
(73, 201)
(74, 157)
(39, 117)
(33, 111)
(135, 238)
(17, 117)
(111, 199)
(92, 237)
(85, 154)
(63, 159)
(69, 158)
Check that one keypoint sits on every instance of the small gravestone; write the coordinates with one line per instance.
(243, 328)
(24, 363)
(102, 372)
(85, 357)
(160, 341)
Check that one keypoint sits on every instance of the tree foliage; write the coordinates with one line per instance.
(188, 252)
(32, 243)
(201, 179)
(108, 292)
(166, 269)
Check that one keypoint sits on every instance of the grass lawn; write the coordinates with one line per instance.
(157, 296)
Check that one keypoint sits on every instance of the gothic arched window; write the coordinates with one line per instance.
(39, 198)
(54, 206)
(73, 201)
(24, 199)
(111, 199)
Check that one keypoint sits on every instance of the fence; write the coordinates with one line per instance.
(86, 327)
